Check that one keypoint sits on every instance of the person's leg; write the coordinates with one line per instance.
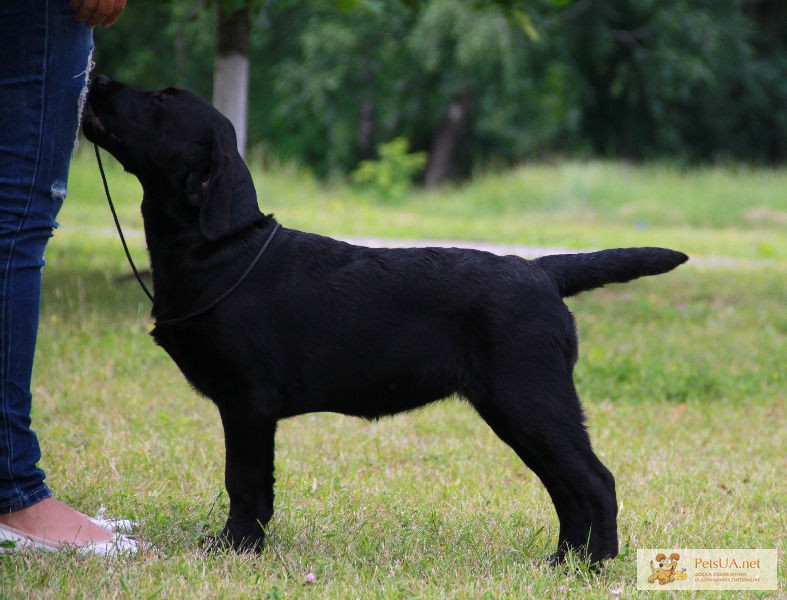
(43, 66)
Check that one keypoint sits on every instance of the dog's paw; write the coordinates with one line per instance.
(226, 542)
(556, 558)
(578, 559)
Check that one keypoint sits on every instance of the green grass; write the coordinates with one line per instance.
(682, 377)
(740, 212)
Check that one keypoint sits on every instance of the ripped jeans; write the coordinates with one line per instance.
(44, 58)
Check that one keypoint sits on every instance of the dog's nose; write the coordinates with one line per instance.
(101, 81)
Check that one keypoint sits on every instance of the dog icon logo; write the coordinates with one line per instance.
(665, 569)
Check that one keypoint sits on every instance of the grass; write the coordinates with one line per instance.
(682, 377)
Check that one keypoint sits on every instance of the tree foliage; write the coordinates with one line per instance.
(484, 83)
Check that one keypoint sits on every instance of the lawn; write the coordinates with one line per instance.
(682, 377)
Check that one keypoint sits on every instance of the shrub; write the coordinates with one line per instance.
(391, 175)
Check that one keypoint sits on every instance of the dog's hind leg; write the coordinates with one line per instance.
(249, 440)
(540, 417)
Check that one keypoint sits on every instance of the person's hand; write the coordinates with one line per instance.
(98, 12)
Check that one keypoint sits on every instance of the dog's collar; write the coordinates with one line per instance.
(145, 289)
(227, 292)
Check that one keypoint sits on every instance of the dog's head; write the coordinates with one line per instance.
(666, 564)
(182, 150)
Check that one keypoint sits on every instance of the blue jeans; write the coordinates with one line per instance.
(44, 60)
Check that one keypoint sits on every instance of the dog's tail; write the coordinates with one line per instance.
(575, 273)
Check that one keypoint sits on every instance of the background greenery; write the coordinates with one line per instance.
(330, 81)
(682, 377)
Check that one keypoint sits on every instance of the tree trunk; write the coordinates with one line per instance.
(181, 56)
(231, 70)
(366, 128)
(447, 138)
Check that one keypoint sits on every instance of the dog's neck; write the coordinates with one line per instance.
(190, 271)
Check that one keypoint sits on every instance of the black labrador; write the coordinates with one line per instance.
(269, 322)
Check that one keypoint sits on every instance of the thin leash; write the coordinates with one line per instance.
(117, 225)
(145, 289)
(229, 291)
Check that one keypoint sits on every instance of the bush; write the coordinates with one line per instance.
(391, 175)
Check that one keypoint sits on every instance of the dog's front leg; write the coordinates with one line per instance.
(249, 440)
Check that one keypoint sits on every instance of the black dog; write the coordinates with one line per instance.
(270, 323)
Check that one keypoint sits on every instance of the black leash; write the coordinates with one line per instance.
(197, 312)
(117, 226)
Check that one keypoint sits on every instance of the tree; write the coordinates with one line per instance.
(178, 45)
(231, 67)
(686, 79)
(341, 86)
(473, 83)
(382, 70)
(465, 52)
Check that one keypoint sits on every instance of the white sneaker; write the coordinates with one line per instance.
(13, 540)
(114, 525)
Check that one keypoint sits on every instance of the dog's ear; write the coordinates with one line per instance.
(223, 192)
